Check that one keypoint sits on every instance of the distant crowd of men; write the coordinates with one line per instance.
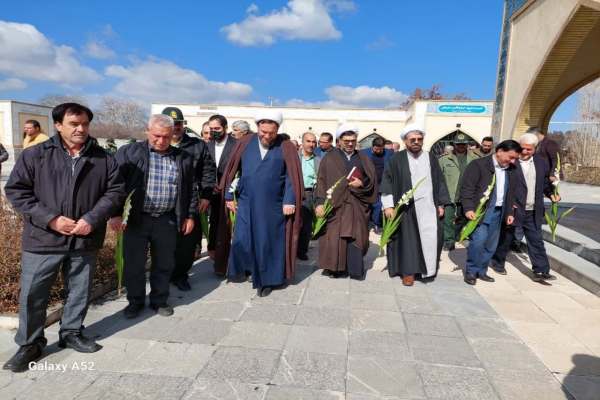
(260, 192)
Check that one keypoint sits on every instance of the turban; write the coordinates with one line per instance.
(345, 127)
(268, 114)
(411, 128)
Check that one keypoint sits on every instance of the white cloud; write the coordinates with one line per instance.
(26, 53)
(99, 50)
(298, 20)
(12, 84)
(359, 97)
(366, 96)
(252, 9)
(161, 80)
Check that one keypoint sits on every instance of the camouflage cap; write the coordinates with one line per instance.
(461, 138)
(174, 113)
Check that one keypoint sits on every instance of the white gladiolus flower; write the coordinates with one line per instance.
(233, 186)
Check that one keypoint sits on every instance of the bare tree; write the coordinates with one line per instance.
(584, 142)
(432, 93)
(52, 100)
(120, 119)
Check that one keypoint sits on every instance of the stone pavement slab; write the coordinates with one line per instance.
(328, 339)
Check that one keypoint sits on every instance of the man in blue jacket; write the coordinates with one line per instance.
(380, 156)
(66, 188)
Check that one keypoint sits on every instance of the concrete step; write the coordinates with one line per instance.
(575, 268)
(574, 242)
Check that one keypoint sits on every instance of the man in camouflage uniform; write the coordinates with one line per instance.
(453, 165)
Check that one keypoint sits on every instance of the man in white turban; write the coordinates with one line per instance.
(415, 248)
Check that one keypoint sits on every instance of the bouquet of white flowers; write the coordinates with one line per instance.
(390, 225)
(319, 222)
(554, 217)
(470, 227)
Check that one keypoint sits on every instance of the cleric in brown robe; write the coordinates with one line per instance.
(345, 239)
(267, 198)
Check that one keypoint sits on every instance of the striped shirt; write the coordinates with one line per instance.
(161, 189)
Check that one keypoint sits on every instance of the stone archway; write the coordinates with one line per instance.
(551, 50)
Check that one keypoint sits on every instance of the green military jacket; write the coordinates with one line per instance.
(452, 173)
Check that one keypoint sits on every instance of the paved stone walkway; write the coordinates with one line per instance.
(334, 339)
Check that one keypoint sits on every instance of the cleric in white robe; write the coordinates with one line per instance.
(416, 246)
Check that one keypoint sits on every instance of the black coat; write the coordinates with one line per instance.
(543, 186)
(548, 150)
(476, 179)
(204, 164)
(405, 250)
(231, 142)
(43, 185)
(133, 162)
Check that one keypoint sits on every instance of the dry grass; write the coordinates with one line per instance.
(11, 226)
(587, 175)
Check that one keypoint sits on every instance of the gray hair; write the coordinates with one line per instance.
(161, 120)
(241, 125)
(308, 133)
(529, 138)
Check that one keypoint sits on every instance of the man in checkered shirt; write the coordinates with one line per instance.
(164, 203)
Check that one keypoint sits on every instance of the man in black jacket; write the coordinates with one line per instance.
(475, 181)
(532, 182)
(206, 180)
(220, 148)
(164, 204)
(66, 188)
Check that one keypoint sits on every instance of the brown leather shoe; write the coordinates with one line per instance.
(408, 280)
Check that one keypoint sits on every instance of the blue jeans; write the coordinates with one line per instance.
(483, 242)
(376, 213)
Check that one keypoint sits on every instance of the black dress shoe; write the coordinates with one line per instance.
(486, 278)
(499, 270)
(80, 343)
(548, 276)
(470, 279)
(264, 292)
(164, 309)
(537, 277)
(26, 354)
(302, 257)
(133, 310)
(182, 284)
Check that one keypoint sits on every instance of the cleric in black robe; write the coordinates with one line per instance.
(416, 246)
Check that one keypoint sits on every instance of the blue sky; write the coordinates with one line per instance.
(323, 52)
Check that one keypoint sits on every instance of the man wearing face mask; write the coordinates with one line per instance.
(266, 198)
(220, 147)
(206, 181)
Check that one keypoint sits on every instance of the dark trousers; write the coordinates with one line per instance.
(186, 250)
(483, 242)
(307, 219)
(160, 234)
(38, 274)
(376, 219)
(215, 216)
(535, 245)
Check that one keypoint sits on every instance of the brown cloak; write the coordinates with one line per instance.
(349, 219)
(293, 222)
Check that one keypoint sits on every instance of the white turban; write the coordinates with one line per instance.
(269, 114)
(411, 128)
(345, 127)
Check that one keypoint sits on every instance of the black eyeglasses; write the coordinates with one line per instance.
(415, 140)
